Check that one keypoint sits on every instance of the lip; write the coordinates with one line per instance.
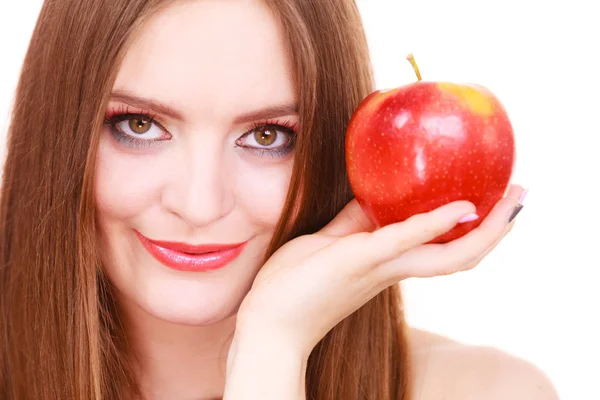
(192, 258)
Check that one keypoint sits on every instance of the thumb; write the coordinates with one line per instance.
(352, 219)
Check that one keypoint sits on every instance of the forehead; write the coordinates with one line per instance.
(210, 57)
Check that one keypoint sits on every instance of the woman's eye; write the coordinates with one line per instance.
(267, 138)
(140, 128)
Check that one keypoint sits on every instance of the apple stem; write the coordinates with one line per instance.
(412, 61)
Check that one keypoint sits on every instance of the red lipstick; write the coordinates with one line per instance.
(188, 257)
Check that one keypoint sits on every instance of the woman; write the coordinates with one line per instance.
(176, 221)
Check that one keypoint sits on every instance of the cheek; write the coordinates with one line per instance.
(125, 184)
(262, 191)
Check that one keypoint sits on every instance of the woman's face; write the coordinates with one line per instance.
(196, 151)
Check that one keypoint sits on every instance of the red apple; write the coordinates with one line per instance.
(412, 149)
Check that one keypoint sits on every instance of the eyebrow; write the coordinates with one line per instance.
(267, 113)
(145, 104)
(150, 105)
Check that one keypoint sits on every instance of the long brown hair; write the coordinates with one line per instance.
(59, 335)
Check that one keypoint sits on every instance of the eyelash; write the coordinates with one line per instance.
(124, 113)
(283, 126)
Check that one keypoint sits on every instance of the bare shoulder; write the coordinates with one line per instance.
(445, 369)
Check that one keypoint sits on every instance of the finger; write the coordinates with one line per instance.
(352, 219)
(488, 233)
(391, 241)
(443, 259)
(472, 264)
(514, 192)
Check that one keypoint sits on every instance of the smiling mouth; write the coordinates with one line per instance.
(191, 258)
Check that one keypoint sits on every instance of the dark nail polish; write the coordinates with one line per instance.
(514, 213)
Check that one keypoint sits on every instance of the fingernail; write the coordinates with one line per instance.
(523, 195)
(468, 218)
(514, 212)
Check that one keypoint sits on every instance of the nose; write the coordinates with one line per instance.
(197, 190)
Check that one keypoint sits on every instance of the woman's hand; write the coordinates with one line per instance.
(313, 282)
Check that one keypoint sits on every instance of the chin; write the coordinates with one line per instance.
(190, 303)
(182, 298)
(147, 288)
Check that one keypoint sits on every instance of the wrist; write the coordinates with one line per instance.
(253, 330)
(263, 365)
(264, 346)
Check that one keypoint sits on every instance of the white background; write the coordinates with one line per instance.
(536, 296)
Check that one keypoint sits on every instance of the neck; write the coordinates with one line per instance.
(178, 361)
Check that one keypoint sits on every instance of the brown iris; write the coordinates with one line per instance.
(265, 136)
(140, 125)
